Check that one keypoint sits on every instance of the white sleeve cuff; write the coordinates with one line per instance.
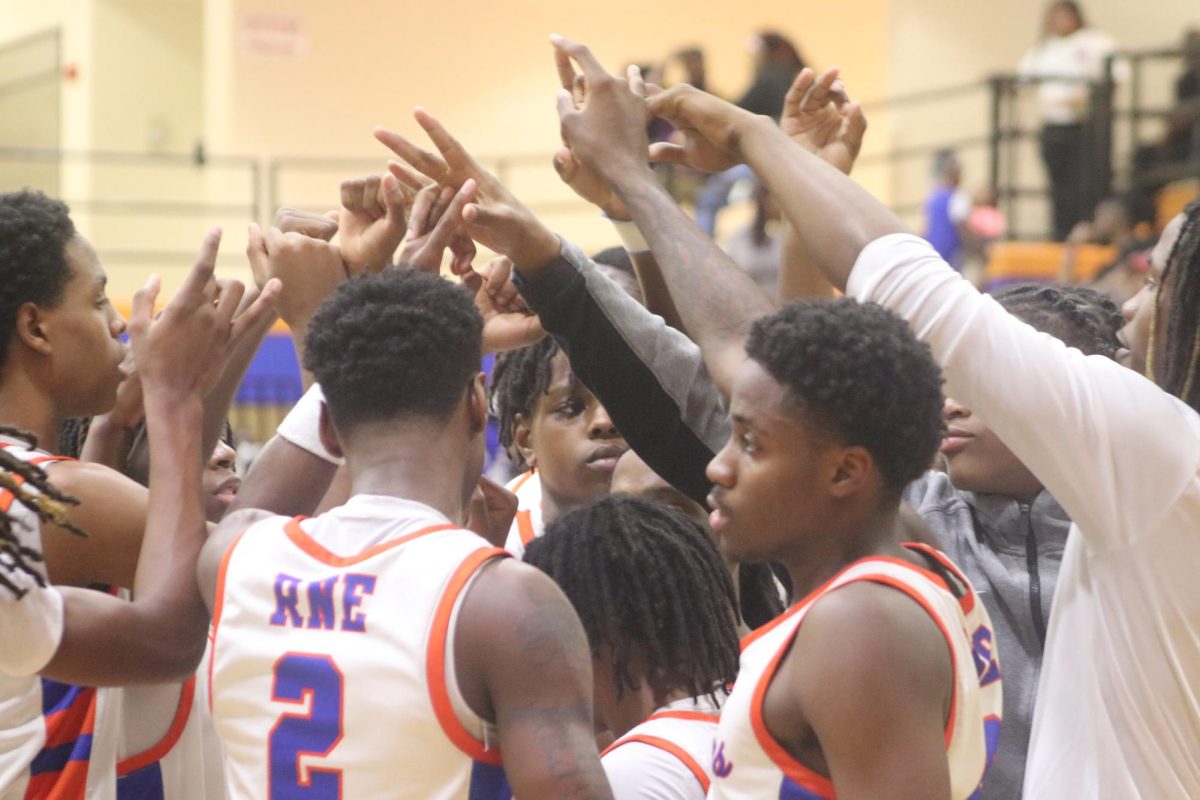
(881, 257)
(35, 620)
(302, 425)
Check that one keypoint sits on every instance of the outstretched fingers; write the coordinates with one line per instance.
(420, 159)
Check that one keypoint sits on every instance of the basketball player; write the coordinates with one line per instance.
(1122, 462)
(658, 607)
(379, 650)
(60, 739)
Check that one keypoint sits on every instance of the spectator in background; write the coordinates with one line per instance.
(1123, 222)
(1068, 58)
(757, 248)
(947, 209)
(777, 62)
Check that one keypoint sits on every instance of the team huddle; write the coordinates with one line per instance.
(754, 550)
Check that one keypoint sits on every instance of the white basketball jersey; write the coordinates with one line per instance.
(332, 672)
(749, 764)
(185, 762)
(667, 757)
(527, 524)
(56, 740)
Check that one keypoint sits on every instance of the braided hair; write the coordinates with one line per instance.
(1176, 370)
(31, 487)
(1080, 317)
(518, 377)
(646, 581)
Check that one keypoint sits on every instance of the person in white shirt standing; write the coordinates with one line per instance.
(1068, 59)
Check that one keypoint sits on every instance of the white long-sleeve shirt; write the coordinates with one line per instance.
(1118, 713)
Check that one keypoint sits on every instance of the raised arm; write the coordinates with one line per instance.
(161, 633)
(716, 300)
(1112, 472)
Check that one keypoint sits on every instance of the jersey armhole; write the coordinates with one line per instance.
(164, 746)
(218, 609)
(443, 686)
(666, 746)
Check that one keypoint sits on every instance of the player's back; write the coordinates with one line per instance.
(333, 657)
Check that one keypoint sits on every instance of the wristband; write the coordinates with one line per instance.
(630, 236)
(302, 425)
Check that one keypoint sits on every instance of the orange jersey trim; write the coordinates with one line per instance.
(693, 716)
(525, 526)
(521, 481)
(801, 774)
(435, 658)
(668, 746)
(312, 548)
(218, 608)
(967, 601)
(159, 751)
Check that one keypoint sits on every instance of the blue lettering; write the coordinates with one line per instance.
(320, 603)
(287, 596)
(352, 596)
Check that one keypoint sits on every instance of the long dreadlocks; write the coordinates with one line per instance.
(647, 582)
(517, 379)
(1175, 372)
(30, 486)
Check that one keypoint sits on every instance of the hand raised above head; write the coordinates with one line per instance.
(308, 223)
(602, 119)
(709, 127)
(371, 221)
(185, 348)
(507, 322)
(492, 215)
(820, 117)
(307, 268)
(435, 224)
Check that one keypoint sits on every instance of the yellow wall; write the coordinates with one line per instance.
(181, 67)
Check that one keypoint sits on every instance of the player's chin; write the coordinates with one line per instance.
(217, 506)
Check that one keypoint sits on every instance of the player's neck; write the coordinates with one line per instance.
(413, 464)
(816, 558)
(22, 406)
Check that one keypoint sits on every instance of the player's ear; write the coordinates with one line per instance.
(477, 402)
(851, 468)
(523, 439)
(328, 433)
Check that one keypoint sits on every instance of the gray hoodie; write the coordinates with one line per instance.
(1011, 552)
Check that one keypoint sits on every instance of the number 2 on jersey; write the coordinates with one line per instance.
(313, 681)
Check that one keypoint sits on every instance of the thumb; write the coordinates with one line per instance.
(565, 164)
(256, 252)
(142, 310)
(393, 199)
(666, 151)
(564, 103)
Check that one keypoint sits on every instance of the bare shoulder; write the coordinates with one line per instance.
(220, 539)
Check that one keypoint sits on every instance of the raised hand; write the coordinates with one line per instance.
(307, 268)
(491, 511)
(819, 116)
(493, 217)
(317, 226)
(602, 120)
(587, 184)
(184, 350)
(507, 322)
(435, 224)
(710, 127)
(371, 221)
